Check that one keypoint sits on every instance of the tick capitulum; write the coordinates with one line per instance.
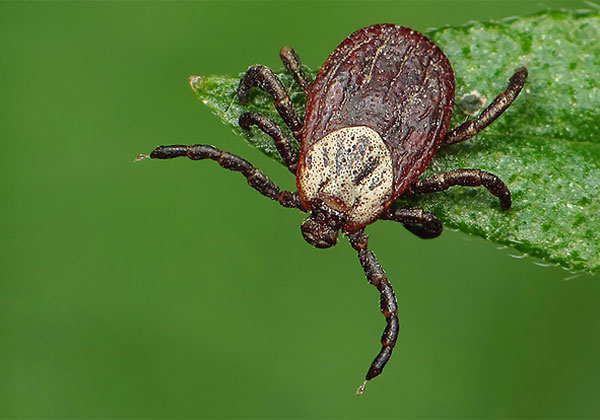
(376, 113)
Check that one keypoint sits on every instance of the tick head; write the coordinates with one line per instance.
(321, 228)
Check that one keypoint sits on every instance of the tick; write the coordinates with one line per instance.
(376, 113)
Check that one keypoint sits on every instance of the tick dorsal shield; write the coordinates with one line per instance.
(350, 170)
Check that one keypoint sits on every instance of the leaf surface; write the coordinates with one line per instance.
(546, 146)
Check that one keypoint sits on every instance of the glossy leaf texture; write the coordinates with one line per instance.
(546, 146)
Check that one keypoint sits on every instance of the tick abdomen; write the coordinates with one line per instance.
(350, 170)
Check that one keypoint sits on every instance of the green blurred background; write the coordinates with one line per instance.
(172, 289)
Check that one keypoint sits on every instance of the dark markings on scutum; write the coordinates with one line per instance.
(323, 183)
(325, 157)
(366, 170)
(340, 160)
(375, 183)
(362, 145)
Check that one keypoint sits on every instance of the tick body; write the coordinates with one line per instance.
(376, 113)
(379, 107)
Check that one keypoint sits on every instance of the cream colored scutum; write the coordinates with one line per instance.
(349, 169)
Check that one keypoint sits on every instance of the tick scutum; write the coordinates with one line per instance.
(350, 171)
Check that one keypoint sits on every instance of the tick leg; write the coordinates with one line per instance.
(493, 111)
(422, 223)
(466, 178)
(256, 178)
(264, 78)
(266, 125)
(387, 303)
(292, 64)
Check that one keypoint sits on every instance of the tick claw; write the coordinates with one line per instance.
(139, 157)
(361, 388)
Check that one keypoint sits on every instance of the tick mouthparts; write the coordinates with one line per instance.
(141, 156)
(361, 388)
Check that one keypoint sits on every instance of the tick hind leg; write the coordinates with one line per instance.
(387, 303)
(264, 78)
(489, 114)
(466, 178)
(292, 64)
(422, 223)
(255, 177)
(266, 125)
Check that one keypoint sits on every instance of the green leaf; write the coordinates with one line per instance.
(546, 146)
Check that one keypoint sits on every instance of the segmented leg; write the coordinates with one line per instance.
(466, 178)
(389, 308)
(493, 111)
(291, 61)
(256, 178)
(264, 78)
(422, 223)
(265, 124)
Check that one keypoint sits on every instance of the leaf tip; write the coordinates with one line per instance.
(195, 82)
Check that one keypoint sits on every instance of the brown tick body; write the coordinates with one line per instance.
(376, 113)
(394, 81)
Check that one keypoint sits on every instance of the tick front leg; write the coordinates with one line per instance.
(267, 126)
(387, 303)
(466, 178)
(264, 78)
(422, 223)
(255, 177)
(493, 111)
(291, 61)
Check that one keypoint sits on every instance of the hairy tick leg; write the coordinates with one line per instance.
(255, 177)
(489, 114)
(465, 178)
(264, 78)
(267, 126)
(422, 223)
(291, 61)
(388, 306)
